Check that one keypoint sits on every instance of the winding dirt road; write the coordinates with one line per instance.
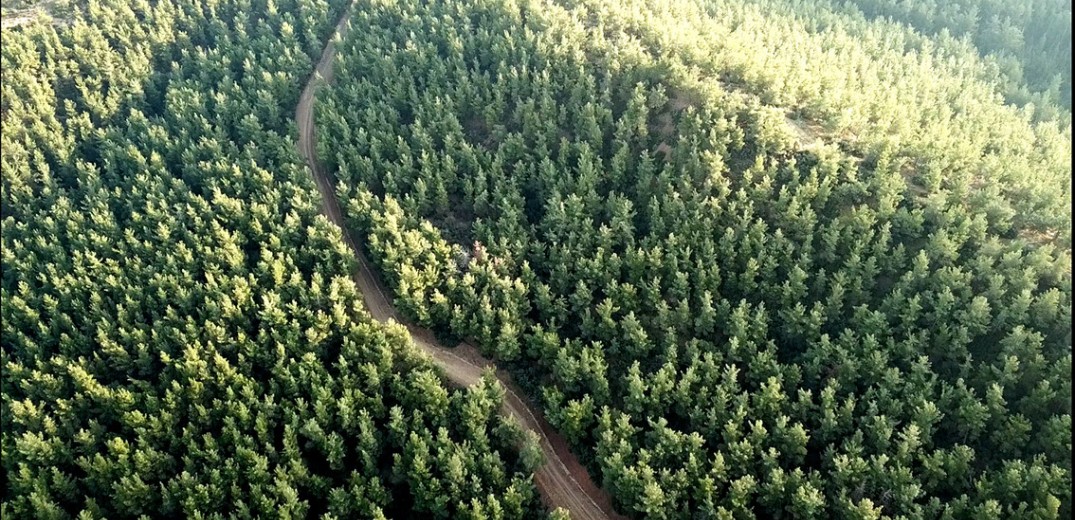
(562, 480)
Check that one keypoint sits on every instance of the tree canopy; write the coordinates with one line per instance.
(757, 258)
(181, 336)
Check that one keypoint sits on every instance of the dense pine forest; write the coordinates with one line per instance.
(756, 258)
(751, 258)
(1030, 39)
(181, 336)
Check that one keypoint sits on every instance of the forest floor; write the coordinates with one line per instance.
(561, 479)
(15, 17)
(807, 133)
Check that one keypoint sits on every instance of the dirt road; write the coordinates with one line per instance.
(562, 480)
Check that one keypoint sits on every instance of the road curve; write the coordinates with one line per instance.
(562, 480)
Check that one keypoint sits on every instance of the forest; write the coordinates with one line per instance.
(1030, 40)
(750, 258)
(181, 335)
(755, 258)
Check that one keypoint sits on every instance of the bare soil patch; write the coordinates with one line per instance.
(22, 14)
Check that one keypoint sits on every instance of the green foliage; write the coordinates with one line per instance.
(1029, 39)
(761, 259)
(182, 338)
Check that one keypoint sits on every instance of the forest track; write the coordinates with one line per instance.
(561, 479)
